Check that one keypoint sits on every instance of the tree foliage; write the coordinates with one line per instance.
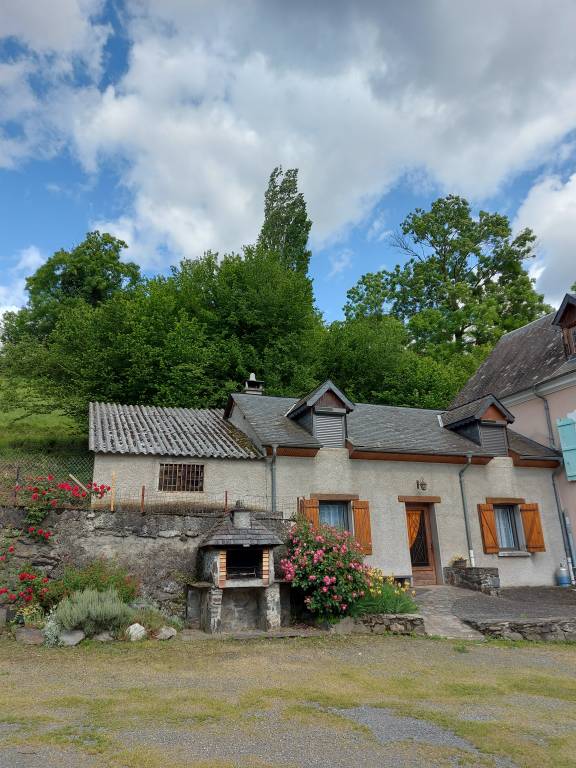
(464, 283)
(286, 227)
(94, 329)
(90, 273)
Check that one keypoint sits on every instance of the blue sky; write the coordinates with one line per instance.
(160, 121)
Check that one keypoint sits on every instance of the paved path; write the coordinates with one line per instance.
(436, 606)
(445, 609)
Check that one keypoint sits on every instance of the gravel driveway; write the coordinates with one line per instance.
(305, 702)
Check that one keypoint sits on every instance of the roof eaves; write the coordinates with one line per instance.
(569, 298)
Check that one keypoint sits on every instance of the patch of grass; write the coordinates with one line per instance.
(38, 434)
(507, 702)
(461, 647)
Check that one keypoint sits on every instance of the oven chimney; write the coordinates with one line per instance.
(252, 386)
(240, 516)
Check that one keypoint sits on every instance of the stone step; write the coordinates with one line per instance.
(445, 625)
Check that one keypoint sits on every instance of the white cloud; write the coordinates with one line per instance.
(339, 262)
(56, 45)
(550, 210)
(216, 95)
(29, 259)
(13, 285)
(356, 95)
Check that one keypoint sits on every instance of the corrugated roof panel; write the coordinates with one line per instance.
(138, 429)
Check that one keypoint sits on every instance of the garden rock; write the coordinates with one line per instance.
(135, 632)
(103, 637)
(29, 636)
(72, 638)
(165, 633)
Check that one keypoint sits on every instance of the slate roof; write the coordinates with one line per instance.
(527, 448)
(522, 358)
(370, 428)
(473, 410)
(225, 534)
(139, 429)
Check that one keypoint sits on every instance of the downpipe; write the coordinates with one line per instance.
(465, 508)
(550, 428)
(566, 533)
(273, 477)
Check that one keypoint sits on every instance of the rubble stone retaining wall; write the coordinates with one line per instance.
(486, 580)
(528, 629)
(379, 623)
(160, 548)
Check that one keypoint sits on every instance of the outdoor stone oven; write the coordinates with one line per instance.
(237, 590)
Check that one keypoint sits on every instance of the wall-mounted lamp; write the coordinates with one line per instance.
(421, 484)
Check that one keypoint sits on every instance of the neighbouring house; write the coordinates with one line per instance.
(532, 372)
(415, 487)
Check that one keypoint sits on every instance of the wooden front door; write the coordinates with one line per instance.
(421, 545)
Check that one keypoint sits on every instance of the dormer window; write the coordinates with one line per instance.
(565, 319)
(483, 422)
(323, 414)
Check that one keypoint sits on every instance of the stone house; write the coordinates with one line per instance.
(415, 487)
(532, 371)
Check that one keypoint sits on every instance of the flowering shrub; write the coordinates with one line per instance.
(100, 575)
(93, 611)
(326, 565)
(39, 533)
(44, 493)
(385, 595)
(6, 555)
(28, 587)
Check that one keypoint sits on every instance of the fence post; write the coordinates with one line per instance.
(113, 492)
(225, 502)
(15, 484)
(142, 492)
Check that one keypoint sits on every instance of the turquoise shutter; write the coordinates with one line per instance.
(567, 431)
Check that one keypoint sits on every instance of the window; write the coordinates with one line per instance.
(335, 514)
(508, 527)
(181, 477)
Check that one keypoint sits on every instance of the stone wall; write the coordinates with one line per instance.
(379, 623)
(528, 629)
(486, 580)
(159, 548)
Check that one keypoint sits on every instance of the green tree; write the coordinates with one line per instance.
(91, 272)
(371, 358)
(464, 283)
(286, 226)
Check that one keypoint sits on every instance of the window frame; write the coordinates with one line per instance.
(516, 527)
(181, 479)
(349, 513)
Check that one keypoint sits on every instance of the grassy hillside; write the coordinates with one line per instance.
(43, 433)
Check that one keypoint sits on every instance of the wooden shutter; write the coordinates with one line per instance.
(532, 527)
(362, 530)
(311, 510)
(488, 528)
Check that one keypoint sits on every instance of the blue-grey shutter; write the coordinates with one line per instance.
(329, 429)
(567, 431)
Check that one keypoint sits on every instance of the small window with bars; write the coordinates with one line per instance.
(181, 477)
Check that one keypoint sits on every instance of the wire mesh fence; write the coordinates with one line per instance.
(21, 469)
(123, 496)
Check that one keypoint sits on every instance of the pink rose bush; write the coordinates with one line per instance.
(326, 564)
